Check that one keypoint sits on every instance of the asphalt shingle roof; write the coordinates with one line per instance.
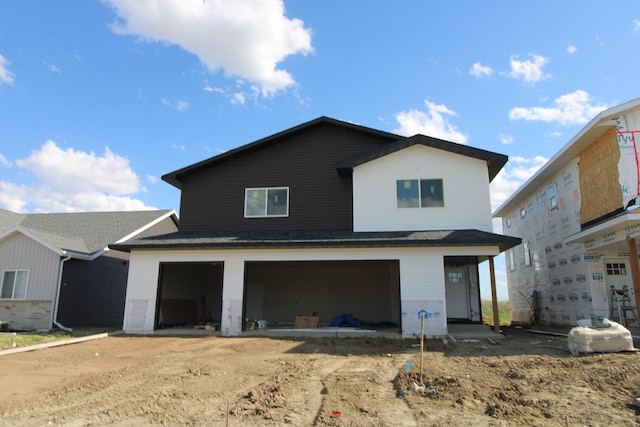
(84, 232)
(320, 238)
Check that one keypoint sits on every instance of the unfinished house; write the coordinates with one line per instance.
(58, 271)
(577, 220)
(327, 221)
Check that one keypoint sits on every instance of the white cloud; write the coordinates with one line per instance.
(570, 109)
(431, 123)
(6, 76)
(4, 161)
(70, 180)
(178, 105)
(247, 38)
(515, 173)
(528, 71)
(480, 70)
(179, 147)
(635, 25)
(238, 98)
(152, 179)
(505, 139)
(572, 49)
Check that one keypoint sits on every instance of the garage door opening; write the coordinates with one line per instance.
(368, 291)
(189, 294)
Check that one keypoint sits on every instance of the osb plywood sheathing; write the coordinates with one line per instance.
(600, 190)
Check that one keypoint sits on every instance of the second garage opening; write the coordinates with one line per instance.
(367, 291)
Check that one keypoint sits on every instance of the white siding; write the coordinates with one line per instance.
(421, 279)
(466, 192)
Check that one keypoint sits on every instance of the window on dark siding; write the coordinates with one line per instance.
(266, 202)
(14, 284)
(419, 193)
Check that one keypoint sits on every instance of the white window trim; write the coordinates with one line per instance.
(526, 253)
(512, 264)
(13, 290)
(420, 193)
(266, 190)
(553, 198)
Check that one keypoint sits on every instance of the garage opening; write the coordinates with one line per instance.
(367, 291)
(189, 294)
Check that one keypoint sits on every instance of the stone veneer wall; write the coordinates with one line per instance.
(26, 315)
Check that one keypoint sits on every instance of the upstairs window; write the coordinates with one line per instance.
(14, 284)
(553, 200)
(266, 202)
(527, 253)
(419, 193)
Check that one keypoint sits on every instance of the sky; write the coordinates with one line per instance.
(99, 99)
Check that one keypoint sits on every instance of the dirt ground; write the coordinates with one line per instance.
(528, 379)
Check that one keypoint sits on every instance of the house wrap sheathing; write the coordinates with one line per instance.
(574, 227)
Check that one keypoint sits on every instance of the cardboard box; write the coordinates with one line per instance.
(306, 322)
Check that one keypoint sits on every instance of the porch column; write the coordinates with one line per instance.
(635, 268)
(494, 296)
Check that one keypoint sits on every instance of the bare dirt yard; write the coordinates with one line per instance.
(528, 379)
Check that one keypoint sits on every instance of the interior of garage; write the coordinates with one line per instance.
(367, 291)
(189, 294)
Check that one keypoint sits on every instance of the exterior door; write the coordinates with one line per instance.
(617, 274)
(457, 293)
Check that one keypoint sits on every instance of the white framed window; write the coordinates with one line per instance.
(14, 284)
(527, 254)
(553, 200)
(523, 212)
(419, 193)
(508, 222)
(512, 264)
(266, 202)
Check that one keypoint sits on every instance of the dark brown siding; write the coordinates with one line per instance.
(213, 200)
(93, 292)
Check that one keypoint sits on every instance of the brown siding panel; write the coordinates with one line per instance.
(213, 200)
(600, 190)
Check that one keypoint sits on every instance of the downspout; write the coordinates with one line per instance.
(57, 300)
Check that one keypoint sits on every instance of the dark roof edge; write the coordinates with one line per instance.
(173, 178)
(491, 239)
(495, 161)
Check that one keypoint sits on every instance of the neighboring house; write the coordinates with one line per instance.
(57, 268)
(327, 217)
(577, 226)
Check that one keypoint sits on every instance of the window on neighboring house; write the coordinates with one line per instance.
(553, 200)
(616, 269)
(523, 212)
(527, 254)
(266, 202)
(512, 264)
(508, 222)
(14, 284)
(419, 193)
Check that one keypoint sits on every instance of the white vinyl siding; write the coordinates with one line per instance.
(421, 277)
(465, 187)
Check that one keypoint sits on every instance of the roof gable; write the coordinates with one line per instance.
(82, 232)
(583, 139)
(494, 161)
(175, 178)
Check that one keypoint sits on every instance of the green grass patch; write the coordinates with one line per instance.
(504, 313)
(13, 339)
(22, 339)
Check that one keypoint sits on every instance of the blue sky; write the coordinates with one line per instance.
(99, 99)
